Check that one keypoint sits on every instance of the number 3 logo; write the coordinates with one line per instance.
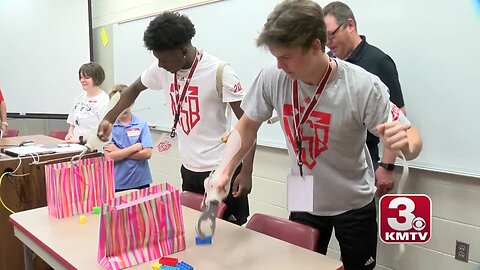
(406, 213)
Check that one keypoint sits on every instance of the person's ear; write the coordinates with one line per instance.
(350, 25)
(184, 52)
(317, 45)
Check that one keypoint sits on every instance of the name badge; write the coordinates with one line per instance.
(166, 143)
(300, 193)
(133, 132)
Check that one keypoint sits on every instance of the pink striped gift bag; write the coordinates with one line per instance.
(141, 226)
(76, 187)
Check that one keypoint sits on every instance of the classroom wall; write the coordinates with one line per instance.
(106, 12)
(455, 198)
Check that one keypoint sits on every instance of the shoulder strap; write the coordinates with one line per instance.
(219, 78)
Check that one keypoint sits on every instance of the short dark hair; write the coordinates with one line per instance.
(341, 12)
(168, 31)
(93, 70)
(294, 23)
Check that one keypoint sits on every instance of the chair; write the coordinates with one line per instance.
(283, 229)
(194, 201)
(11, 133)
(59, 134)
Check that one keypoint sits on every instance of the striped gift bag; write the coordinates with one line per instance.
(76, 187)
(141, 226)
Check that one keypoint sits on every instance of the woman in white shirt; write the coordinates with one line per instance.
(89, 105)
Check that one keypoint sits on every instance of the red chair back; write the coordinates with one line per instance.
(11, 133)
(59, 134)
(194, 201)
(292, 232)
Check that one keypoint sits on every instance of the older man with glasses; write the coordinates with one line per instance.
(345, 43)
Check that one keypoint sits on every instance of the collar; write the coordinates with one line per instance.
(358, 52)
(134, 122)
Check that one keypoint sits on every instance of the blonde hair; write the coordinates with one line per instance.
(117, 88)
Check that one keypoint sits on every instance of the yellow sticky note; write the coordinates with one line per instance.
(104, 36)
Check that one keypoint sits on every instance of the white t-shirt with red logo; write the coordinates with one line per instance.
(334, 134)
(86, 112)
(202, 119)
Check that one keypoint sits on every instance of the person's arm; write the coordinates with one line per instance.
(146, 141)
(145, 153)
(113, 152)
(243, 182)
(70, 133)
(247, 130)
(126, 99)
(3, 114)
(388, 74)
(396, 136)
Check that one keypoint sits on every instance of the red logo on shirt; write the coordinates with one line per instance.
(190, 112)
(237, 87)
(317, 124)
(395, 111)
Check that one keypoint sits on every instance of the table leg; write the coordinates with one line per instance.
(27, 257)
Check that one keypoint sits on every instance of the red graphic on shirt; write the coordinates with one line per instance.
(237, 87)
(190, 111)
(314, 145)
(163, 146)
(395, 111)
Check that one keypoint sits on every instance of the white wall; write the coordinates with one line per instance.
(106, 12)
(455, 199)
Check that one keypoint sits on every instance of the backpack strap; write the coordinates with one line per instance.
(219, 78)
(219, 85)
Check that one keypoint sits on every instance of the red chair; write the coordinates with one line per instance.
(59, 134)
(283, 229)
(11, 133)
(194, 201)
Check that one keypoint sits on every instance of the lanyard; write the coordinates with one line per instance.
(297, 121)
(180, 98)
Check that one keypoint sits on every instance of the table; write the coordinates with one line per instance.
(67, 244)
(21, 193)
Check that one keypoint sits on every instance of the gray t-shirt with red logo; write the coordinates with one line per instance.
(333, 135)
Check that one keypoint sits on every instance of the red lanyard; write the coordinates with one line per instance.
(180, 98)
(297, 121)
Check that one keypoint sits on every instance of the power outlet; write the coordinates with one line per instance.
(461, 251)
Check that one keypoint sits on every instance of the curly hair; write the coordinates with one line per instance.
(168, 31)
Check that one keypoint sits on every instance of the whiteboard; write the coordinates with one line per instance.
(43, 44)
(440, 85)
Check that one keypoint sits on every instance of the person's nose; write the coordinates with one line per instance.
(329, 42)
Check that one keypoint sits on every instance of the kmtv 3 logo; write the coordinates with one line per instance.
(405, 218)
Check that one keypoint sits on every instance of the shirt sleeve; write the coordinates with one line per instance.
(232, 88)
(1, 96)
(379, 109)
(257, 104)
(145, 136)
(150, 77)
(387, 72)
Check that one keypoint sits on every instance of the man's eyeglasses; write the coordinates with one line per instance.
(332, 34)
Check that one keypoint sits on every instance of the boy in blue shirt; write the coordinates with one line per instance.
(130, 148)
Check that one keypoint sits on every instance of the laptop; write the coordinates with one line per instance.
(22, 151)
